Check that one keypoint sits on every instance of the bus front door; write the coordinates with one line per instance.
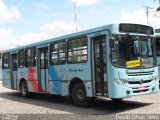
(43, 69)
(99, 65)
(14, 71)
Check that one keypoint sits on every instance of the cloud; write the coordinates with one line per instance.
(139, 17)
(58, 28)
(8, 14)
(28, 38)
(49, 30)
(6, 38)
(85, 2)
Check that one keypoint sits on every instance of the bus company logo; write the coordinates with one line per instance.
(9, 117)
(141, 81)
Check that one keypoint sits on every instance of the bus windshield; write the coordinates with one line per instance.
(132, 51)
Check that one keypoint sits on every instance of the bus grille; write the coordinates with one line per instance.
(139, 73)
(140, 91)
(136, 90)
(139, 82)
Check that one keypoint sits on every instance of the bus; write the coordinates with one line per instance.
(157, 31)
(114, 61)
(0, 65)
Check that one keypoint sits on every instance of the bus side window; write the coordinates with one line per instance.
(30, 57)
(158, 47)
(58, 53)
(77, 50)
(6, 61)
(21, 58)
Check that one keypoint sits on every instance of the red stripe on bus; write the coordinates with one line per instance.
(31, 78)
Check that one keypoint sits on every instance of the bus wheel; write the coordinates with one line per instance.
(117, 100)
(79, 96)
(24, 89)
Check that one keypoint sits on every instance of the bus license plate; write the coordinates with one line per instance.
(141, 88)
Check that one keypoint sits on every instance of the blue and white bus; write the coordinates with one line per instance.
(157, 31)
(0, 65)
(114, 61)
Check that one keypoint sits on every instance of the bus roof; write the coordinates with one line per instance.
(109, 27)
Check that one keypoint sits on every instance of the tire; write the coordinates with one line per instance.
(79, 97)
(24, 89)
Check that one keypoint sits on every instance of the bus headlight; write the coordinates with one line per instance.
(120, 82)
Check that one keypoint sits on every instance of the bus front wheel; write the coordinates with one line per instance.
(24, 89)
(79, 96)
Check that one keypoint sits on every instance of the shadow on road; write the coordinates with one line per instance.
(98, 107)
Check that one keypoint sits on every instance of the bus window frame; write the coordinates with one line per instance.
(26, 57)
(19, 57)
(50, 59)
(158, 54)
(3, 61)
(75, 38)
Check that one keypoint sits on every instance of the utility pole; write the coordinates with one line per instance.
(147, 11)
(75, 14)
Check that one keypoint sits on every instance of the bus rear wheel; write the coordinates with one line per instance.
(79, 96)
(24, 89)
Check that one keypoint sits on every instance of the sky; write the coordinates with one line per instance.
(27, 21)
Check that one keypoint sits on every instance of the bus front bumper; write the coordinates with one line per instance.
(121, 91)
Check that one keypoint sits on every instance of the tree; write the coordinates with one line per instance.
(159, 1)
(158, 9)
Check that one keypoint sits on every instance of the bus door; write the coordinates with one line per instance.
(99, 65)
(43, 69)
(14, 71)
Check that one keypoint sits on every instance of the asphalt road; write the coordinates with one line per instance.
(48, 107)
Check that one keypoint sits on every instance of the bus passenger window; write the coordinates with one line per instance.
(30, 57)
(77, 50)
(6, 61)
(21, 58)
(58, 53)
(158, 47)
